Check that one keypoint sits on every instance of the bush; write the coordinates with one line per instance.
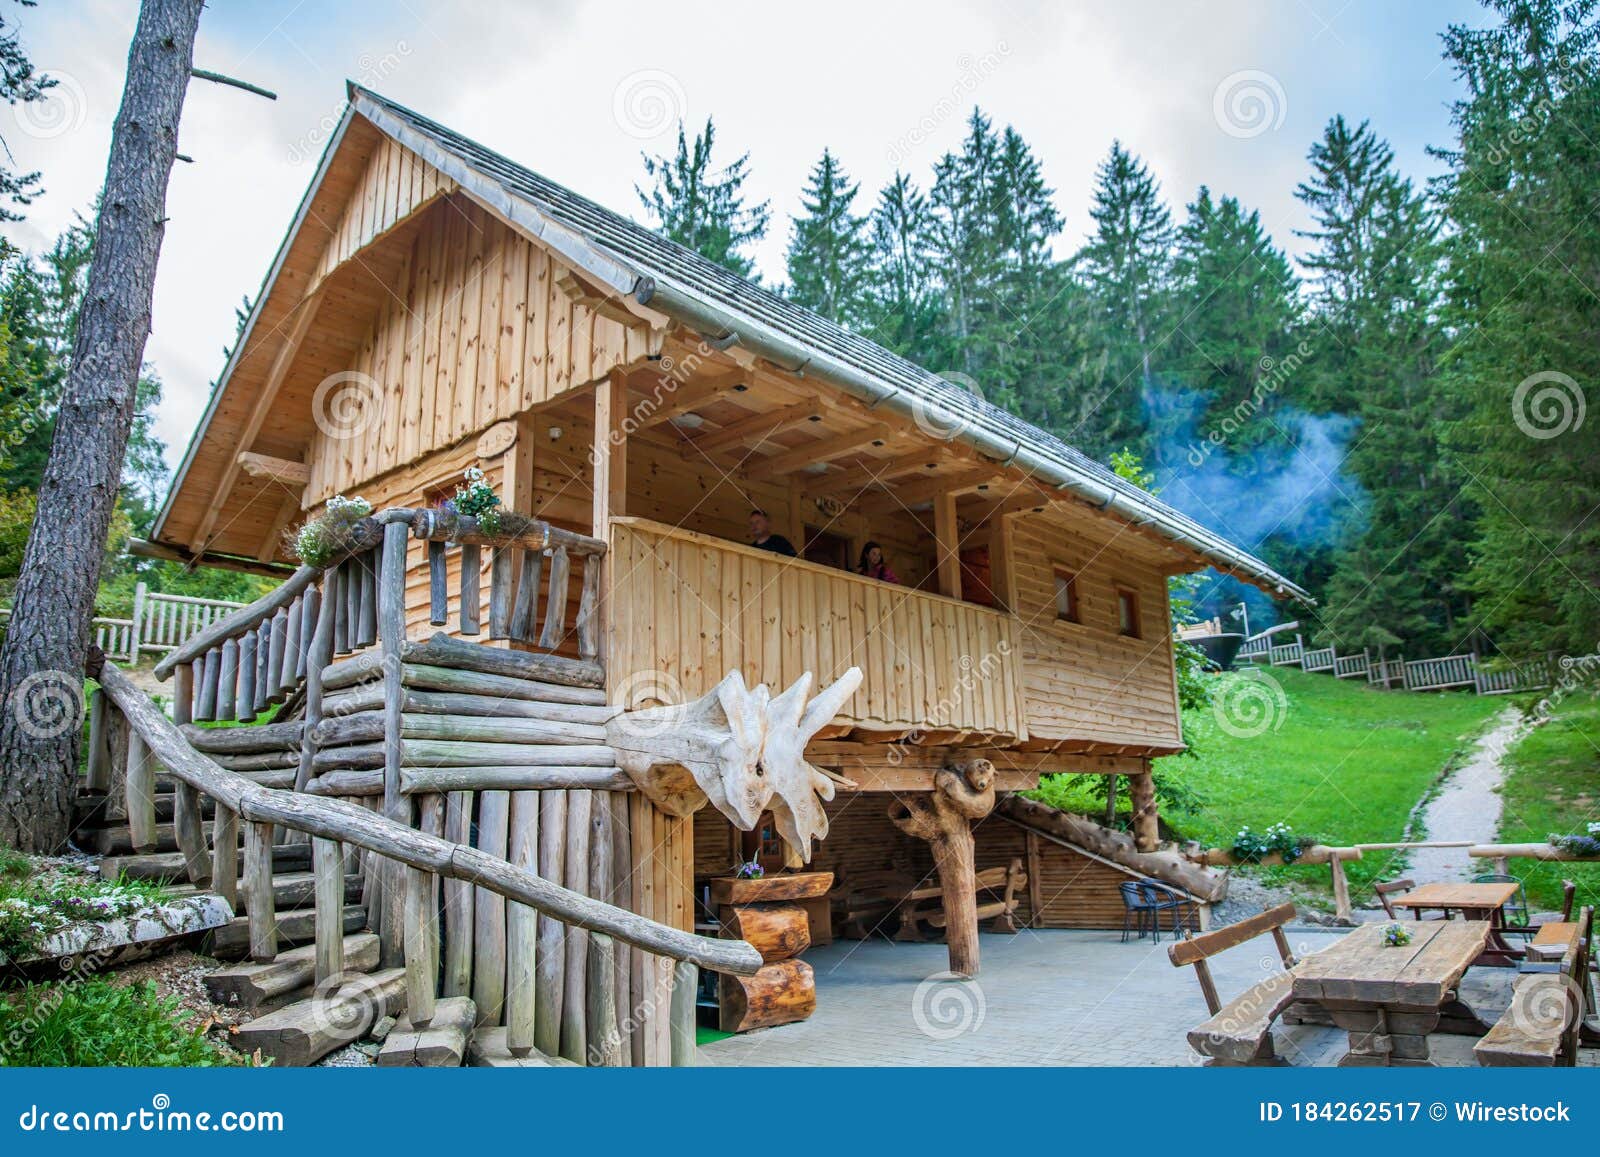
(96, 1022)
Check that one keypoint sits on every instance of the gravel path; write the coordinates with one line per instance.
(1467, 806)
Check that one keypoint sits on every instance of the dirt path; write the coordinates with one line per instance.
(1468, 805)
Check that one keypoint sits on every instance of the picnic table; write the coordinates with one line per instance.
(1481, 902)
(1388, 999)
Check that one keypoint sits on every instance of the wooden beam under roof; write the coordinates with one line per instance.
(664, 401)
(927, 489)
(872, 472)
(295, 475)
(305, 313)
(823, 449)
(760, 427)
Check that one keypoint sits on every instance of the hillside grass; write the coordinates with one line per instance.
(1553, 786)
(1336, 760)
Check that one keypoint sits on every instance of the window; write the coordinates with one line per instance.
(1066, 596)
(1127, 613)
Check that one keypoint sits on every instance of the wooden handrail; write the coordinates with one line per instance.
(336, 820)
(428, 525)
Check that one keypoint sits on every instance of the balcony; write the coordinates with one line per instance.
(686, 608)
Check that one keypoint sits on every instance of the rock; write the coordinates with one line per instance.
(381, 1030)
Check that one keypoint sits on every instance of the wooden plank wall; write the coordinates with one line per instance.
(661, 887)
(1084, 681)
(394, 184)
(693, 608)
(478, 333)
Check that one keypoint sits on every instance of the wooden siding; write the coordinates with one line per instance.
(690, 608)
(1084, 682)
(394, 184)
(474, 331)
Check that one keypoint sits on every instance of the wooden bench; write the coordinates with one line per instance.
(1543, 1024)
(1240, 1032)
(864, 902)
(924, 906)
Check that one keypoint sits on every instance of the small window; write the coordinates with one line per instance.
(1127, 613)
(1066, 596)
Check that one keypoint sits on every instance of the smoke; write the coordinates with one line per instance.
(1270, 479)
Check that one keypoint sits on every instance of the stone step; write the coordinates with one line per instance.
(304, 1032)
(487, 1050)
(232, 940)
(442, 1043)
(255, 986)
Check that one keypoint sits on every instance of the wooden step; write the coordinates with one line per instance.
(487, 1050)
(170, 865)
(304, 1032)
(118, 841)
(253, 986)
(232, 940)
(289, 890)
(441, 1044)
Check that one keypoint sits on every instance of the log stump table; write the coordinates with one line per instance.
(770, 913)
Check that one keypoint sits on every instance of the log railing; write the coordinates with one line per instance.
(421, 859)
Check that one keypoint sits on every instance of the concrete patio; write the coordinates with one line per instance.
(1044, 998)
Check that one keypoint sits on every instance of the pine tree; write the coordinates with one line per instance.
(905, 303)
(1127, 264)
(702, 207)
(1376, 347)
(1523, 242)
(829, 254)
(1236, 307)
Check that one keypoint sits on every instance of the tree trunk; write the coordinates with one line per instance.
(42, 664)
(1146, 820)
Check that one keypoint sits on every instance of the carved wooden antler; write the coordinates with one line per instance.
(796, 788)
(681, 756)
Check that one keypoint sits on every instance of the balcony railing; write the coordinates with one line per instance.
(687, 608)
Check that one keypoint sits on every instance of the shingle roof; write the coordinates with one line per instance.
(741, 302)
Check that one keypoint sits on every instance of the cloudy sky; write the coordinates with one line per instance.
(1228, 94)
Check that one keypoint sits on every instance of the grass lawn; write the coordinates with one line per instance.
(1334, 759)
(1554, 786)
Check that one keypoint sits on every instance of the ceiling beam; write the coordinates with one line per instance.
(866, 473)
(292, 474)
(758, 428)
(305, 314)
(926, 489)
(822, 449)
(665, 400)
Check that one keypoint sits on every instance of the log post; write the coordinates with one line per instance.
(391, 614)
(225, 854)
(1146, 823)
(186, 821)
(258, 896)
(1341, 888)
(140, 787)
(944, 818)
(327, 867)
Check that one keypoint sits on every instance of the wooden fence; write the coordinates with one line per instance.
(1440, 674)
(160, 622)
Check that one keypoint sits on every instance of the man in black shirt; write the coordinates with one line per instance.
(762, 538)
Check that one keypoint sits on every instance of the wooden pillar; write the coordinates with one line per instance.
(1142, 795)
(610, 488)
(948, 541)
(1341, 886)
(944, 818)
(1002, 578)
(186, 820)
(392, 636)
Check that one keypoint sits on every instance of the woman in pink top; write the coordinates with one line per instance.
(874, 566)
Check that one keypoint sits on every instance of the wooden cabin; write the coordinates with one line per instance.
(436, 307)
